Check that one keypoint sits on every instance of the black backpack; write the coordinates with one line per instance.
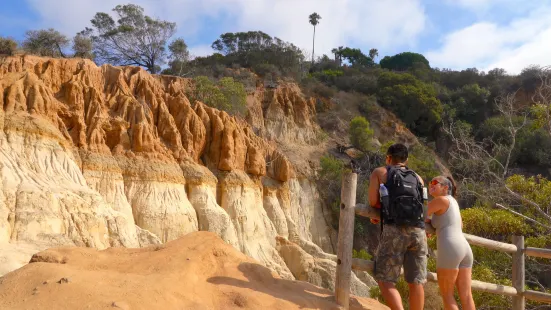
(405, 201)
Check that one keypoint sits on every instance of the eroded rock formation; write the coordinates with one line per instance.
(113, 156)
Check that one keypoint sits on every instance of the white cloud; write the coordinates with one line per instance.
(536, 51)
(370, 23)
(522, 42)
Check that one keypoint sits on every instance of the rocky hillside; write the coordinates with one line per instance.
(113, 156)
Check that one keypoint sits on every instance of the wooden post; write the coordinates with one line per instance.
(346, 235)
(519, 301)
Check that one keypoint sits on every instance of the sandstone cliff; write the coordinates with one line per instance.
(113, 156)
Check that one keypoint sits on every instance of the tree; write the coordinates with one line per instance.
(256, 48)
(360, 133)
(413, 101)
(373, 53)
(531, 77)
(355, 57)
(134, 39)
(314, 20)
(338, 54)
(496, 74)
(45, 42)
(179, 56)
(471, 104)
(542, 99)
(403, 61)
(82, 45)
(8, 46)
(488, 160)
(243, 42)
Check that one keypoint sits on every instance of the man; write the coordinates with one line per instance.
(403, 240)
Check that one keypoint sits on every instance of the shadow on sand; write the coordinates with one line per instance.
(302, 294)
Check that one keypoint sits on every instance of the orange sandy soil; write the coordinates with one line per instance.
(197, 271)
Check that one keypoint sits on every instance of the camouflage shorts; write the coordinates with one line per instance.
(399, 246)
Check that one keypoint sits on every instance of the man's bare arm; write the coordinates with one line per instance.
(373, 190)
(420, 179)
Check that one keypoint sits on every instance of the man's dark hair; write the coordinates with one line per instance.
(398, 153)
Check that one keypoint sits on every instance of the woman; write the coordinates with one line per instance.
(454, 257)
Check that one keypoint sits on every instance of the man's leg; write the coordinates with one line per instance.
(416, 296)
(415, 268)
(388, 262)
(391, 295)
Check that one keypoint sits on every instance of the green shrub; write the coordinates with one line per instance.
(328, 77)
(323, 90)
(226, 95)
(362, 254)
(486, 300)
(538, 241)
(330, 175)
(331, 168)
(314, 88)
(8, 46)
(422, 162)
(368, 107)
(360, 134)
(243, 76)
(234, 94)
(268, 71)
(536, 189)
(492, 223)
(361, 83)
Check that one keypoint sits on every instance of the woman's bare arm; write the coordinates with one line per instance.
(438, 206)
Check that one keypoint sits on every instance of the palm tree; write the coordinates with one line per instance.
(314, 20)
(338, 54)
(373, 53)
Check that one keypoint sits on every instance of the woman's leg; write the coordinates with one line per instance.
(464, 288)
(446, 282)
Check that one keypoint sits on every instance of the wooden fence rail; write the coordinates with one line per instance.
(345, 262)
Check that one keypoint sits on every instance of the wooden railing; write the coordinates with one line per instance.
(345, 262)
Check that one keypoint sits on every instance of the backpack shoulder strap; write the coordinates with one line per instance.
(390, 171)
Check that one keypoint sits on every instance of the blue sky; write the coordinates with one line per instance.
(457, 34)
